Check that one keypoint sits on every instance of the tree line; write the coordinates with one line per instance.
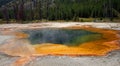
(28, 10)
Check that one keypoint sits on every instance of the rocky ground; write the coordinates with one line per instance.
(112, 59)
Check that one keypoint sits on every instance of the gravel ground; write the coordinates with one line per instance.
(4, 38)
(6, 60)
(115, 26)
(112, 59)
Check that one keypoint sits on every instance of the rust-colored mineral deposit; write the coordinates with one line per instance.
(18, 46)
(98, 47)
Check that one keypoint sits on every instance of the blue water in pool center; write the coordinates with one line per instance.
(69, 37)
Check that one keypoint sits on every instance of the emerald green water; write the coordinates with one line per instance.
(69, 37)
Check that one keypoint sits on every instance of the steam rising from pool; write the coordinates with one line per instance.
(69, 37)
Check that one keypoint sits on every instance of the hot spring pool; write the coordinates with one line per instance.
(72, 41)
(69, 37)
